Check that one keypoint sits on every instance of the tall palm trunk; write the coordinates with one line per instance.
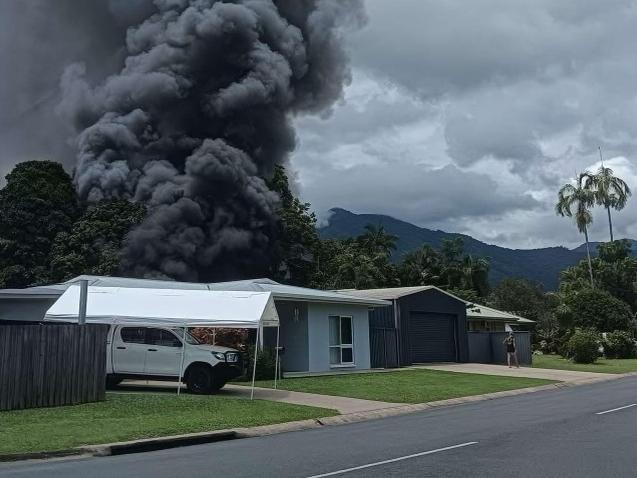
(588, 254)
(610, 223)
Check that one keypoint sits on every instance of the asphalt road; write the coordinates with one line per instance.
(563, 433)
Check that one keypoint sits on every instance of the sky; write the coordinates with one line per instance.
(469, 116)
(461, 116)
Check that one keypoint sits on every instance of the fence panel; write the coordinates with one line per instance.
(487, 347)
(383, 347)
(51, 365)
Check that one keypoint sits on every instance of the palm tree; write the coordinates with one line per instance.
(376, 239)
(610, 191)
(475, 274)
(575, 201)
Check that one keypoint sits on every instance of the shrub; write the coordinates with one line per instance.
(583, 346)
(265, 364)
(619, 344)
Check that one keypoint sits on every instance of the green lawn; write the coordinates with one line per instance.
(408, 386)
(601, 366)
(129, 416)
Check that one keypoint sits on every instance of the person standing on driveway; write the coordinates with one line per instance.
(509, 341)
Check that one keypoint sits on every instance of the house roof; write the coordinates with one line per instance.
(474, 311)
(279, 291)
(282, 291)
(39, 292)
(392, 293)
(482, 312)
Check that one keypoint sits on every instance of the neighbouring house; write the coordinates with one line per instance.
(424, 324)
(481, 318)
(321, 331)
(27, 306)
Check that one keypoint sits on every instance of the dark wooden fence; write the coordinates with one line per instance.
(383, 347)
(51, 365)
(487, 347)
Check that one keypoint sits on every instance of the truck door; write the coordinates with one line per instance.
(129, 350)
(163, 352)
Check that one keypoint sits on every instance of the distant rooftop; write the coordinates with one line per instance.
(474, 311)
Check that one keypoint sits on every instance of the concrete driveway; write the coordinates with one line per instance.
(528, 372)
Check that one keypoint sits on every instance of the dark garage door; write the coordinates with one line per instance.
(432, 337)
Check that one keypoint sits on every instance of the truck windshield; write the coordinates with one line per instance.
(190, 339)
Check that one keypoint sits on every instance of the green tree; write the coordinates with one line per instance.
(576, 201)
(522, 297)
(297, 239)
(615, 271)
(421, 267)
(93, 244)
(595, 308)
(375, 240)
(449, 268)
(610, 191)
(475, 274)
(36, 204)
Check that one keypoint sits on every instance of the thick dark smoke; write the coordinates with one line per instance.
(199, 114)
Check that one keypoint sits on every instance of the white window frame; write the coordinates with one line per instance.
(341, 345)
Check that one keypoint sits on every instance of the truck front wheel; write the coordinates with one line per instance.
(201, 380)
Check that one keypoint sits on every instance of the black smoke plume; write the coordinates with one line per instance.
(198, 116)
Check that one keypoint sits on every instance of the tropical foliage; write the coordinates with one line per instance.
(37, 203)
(595, 308)
(614, 269)
(609, 191)
(575, 201)
(449, 268)
(583, 346)
(46, 235)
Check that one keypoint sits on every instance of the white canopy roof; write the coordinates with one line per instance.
(167, 307)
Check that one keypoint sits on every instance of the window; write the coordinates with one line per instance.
(190, 339)
(162, 338)
(134, 335)
(341, 340)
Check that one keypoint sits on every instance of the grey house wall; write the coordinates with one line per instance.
(24, 310)
(432, 301)
(318, 333)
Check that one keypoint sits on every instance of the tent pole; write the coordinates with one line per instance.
(276, 355)
(254, 365)
(181, 363)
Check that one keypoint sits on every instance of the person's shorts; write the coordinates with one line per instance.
(510, 349)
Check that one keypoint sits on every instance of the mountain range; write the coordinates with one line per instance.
(540, 265)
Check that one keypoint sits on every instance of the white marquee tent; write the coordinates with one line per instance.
(169, 308)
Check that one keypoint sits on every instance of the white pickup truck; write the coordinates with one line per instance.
(155, 353)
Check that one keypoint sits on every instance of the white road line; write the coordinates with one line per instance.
(616, 409)
(393, 460)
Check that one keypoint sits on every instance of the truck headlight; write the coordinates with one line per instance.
(219, 356)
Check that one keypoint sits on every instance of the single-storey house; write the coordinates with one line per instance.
(481, 318)
(321, 331)
(424, 324)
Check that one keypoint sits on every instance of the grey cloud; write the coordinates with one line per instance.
(422, 195)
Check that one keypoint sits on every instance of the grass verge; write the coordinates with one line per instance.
(601, 366)
(408, 386)
(131, 416)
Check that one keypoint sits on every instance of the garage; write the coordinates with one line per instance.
(432, 337)
(424, 324)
